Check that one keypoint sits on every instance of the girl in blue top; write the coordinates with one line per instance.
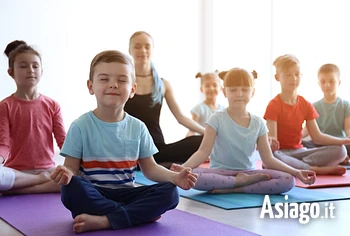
(210, 87)
(230, 139)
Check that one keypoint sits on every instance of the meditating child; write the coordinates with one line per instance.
(230, 138)
(102, 150)
(210, 87)
(29, 122)
(334, 112)
(285, 115)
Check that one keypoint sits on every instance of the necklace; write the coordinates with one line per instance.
(144, 75)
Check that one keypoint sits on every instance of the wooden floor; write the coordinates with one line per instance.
(8, 230)
(249, 219)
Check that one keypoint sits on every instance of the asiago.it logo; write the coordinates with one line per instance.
(303, 211)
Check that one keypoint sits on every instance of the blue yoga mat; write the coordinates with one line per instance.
(244, 200)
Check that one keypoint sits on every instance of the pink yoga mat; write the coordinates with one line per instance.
(323, 181)
(44, 215)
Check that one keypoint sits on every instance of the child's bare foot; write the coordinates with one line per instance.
(345, 162)
(85, 222)
(329, 170)
(155, 219)
(243, 179)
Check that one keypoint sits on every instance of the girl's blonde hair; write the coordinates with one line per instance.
(282, 63)
(204, 77)
(110, 56)
(238, 77)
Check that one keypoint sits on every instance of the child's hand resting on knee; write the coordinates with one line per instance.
(306, 176)
(61, 175)
(185, 179)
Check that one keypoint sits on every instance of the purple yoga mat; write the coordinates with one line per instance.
(44, 214)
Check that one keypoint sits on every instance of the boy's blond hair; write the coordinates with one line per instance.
(329, 68)
(284, 62)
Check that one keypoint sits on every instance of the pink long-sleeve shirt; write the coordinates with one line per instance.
(27, 129)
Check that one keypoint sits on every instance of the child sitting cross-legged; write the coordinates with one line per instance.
(102, 150)
(230, 138)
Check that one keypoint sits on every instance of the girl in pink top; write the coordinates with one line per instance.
(28, 122)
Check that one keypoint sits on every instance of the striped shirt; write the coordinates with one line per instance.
(109, 152)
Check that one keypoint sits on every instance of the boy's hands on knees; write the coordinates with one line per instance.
(274, 144)
(306, 176)
(61, 175)
(185, 179)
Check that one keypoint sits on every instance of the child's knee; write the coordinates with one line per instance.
(172, 194)
(287, 182)
(7, 178)
(291, 183)
(74, 183)
(70, 190)
(339, 154)
(343, 153)
(278, 154)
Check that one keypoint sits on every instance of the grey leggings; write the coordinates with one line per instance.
(310, 144)
(303, 158)
(209, 179)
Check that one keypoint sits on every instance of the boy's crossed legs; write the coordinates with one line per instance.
(96, 208)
